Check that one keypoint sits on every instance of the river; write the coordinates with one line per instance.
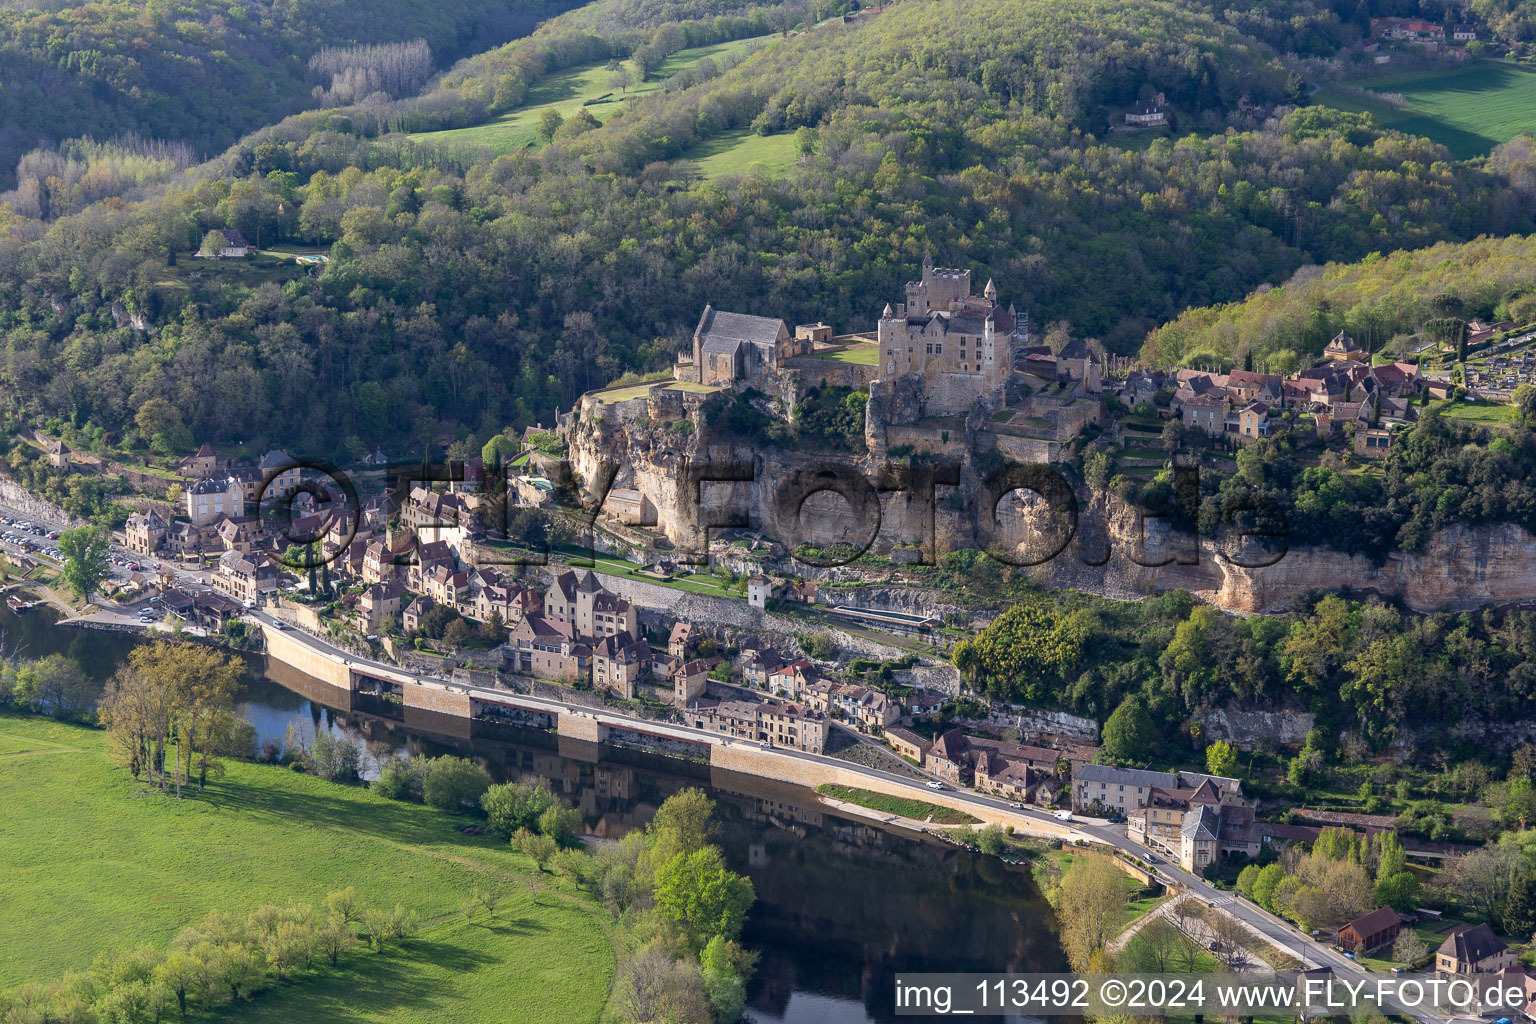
(843, 903)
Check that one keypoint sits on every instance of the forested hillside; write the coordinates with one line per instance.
(208, 71)
(975, 131)
(1387, 303)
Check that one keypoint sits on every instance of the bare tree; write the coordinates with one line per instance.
(1228, 937)
(352, 74)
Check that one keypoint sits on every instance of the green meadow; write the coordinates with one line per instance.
(95, 861)
(568, 91)
(1468, 109)
(742, 151)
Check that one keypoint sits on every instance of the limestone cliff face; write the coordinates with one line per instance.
(1114, 551)
(1462, 567)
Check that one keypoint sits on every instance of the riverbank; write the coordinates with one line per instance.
(346, 675)
(140, 865)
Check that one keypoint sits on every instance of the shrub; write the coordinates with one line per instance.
(454, 784)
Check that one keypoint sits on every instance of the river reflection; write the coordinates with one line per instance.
(843, 904)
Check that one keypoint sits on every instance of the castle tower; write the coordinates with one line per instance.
(990, 291)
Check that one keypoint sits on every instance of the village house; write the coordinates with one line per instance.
(1014, 780)
(564, 640)
(619, 664)
(411, 614)
(1373, 442)
(1464, 33)
(1342, 347)
(1204, 409)
(1247, 386)
(1147, 114)
(1127, 789)
(1407, 29)
(544, 649)
(280, 475)
(446, 587)
(1370, 932)
(681, 641)
(591, 610)
(792, 679)
(239, 533)
(144, 532)
(378, 561)
(213, 498)
(869, 709)
(377, 603)
(1162, 815)
(689, 681)
(246, 577)
(1253, 421)
(235, 246)
(203, 463)
(908, 743)
(949, 757)
(1473, 950)
(778, 723)
(629, 507)
(760, 666)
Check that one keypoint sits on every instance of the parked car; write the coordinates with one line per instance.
(935, 785)
(1017, 806)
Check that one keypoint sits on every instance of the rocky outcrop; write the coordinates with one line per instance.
(1115, 550)
(1461, 567)
(1244, 728)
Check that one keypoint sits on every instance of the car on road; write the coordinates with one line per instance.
(1063, 815)
(1117, 819)
(1017, 806)
(1149, 857)
(935, 785)
(279, 624)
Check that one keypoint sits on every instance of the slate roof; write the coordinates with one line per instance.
(1472, 945)
(724, 332)
(212, 485)
(1201, 822)
(1110, 775)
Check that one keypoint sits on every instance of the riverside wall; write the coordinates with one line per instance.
(592, 726)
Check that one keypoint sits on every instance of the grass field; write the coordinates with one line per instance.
(94, 862)
(1469, 109)
(567, 91)
(625, 394)
(735, 153)
(861, 354)
(906, 807)
(1488, 414)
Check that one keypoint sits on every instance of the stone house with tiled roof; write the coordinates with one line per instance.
(1473, 950)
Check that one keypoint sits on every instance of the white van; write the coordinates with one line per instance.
(1063, 815)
